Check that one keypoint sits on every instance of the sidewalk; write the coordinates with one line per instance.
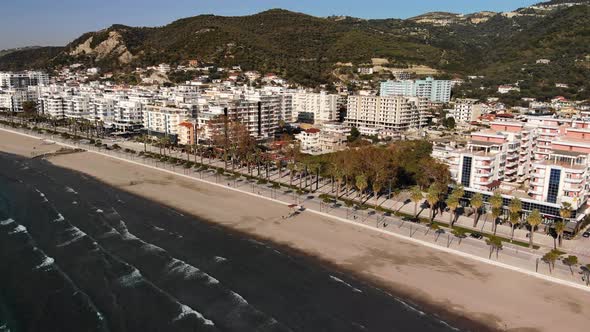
(511, 256)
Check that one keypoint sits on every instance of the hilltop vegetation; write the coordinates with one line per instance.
(305, 49)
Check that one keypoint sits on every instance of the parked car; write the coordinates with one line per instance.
(586, 234)
(476, 235)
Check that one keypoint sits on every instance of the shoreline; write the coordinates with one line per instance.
(448, 306)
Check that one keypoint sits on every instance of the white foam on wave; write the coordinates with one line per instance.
(188, 271)
(42, 196)
(75, 233)
(158, 228)
(71, 190)
(409, 306)
(346, 284)
(219, 259)
(18, 229)
(152, 248)
(131, 279)
(99, 211)
(188, 311)
(6, 222)
(238, 297)
(47, 261)
(60, 217)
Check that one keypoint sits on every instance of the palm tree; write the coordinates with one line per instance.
(534, 219)
(559, 229)
(416, 197)
(515, 207)
(452, 203)
(550, 259)
(496, 202)
(565, 212)
(571, 261)
(495, 243)
(513, 219)
(476, 203)
(433, 196)
(361, 184)
(459, 233)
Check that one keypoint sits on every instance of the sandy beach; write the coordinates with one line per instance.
(501, 299)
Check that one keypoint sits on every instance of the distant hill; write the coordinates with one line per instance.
(307, 49)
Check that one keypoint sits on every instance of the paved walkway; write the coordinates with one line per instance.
(511, 256)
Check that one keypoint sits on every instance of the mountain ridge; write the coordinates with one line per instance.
(307, 49)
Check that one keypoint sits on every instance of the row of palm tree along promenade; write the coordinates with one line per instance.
(397, 190)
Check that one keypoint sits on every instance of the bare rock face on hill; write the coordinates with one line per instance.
(113, 46)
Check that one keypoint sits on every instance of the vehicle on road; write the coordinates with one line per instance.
(586, 234)
(476, 235)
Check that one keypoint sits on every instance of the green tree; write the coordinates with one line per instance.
(550, 259)
(495, 244)
(559, 229)
(416, 197)
(361, 184)
(571, 261)
(496, 203)
(565, 212)
(433, 197)
(534, 219)
(452, 203)
(477, 203)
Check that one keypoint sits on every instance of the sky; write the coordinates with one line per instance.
(57, 22)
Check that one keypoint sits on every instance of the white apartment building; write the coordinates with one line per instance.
(388, 113)
(467, 110)
(163, 120)
(24, 79)
(128, 115)
(549, 157)
(436, 91)
(330, 137)
(314, 107)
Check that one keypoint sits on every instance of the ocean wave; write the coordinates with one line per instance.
(188, 271)
(422, 313)
(42, 195)
(18, 229)
(188, 311)
(346, 284)
(71, 190)
(6, 222)
(238, 297)
(219, 259)
(75, 234)
(60, 217)
(131, 279)
(47, 261)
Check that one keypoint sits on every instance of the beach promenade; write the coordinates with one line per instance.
(438, 269)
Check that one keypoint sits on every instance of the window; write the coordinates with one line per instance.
(466, 171)
(553, 187)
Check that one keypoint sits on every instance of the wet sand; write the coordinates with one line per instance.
(498, 298)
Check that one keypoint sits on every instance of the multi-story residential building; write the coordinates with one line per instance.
(314, 107)
(128, 115)
(12, 100)
(389, 113)
(163, 120)
(53, 105)
(309, 140)
(330, 137)
(186, 133)
(10, 80)
(546, 156)
(436, 91)
(467, 110)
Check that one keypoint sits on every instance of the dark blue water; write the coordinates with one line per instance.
(78, 255)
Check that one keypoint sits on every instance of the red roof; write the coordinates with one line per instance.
(312, 131)
(186, 124)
